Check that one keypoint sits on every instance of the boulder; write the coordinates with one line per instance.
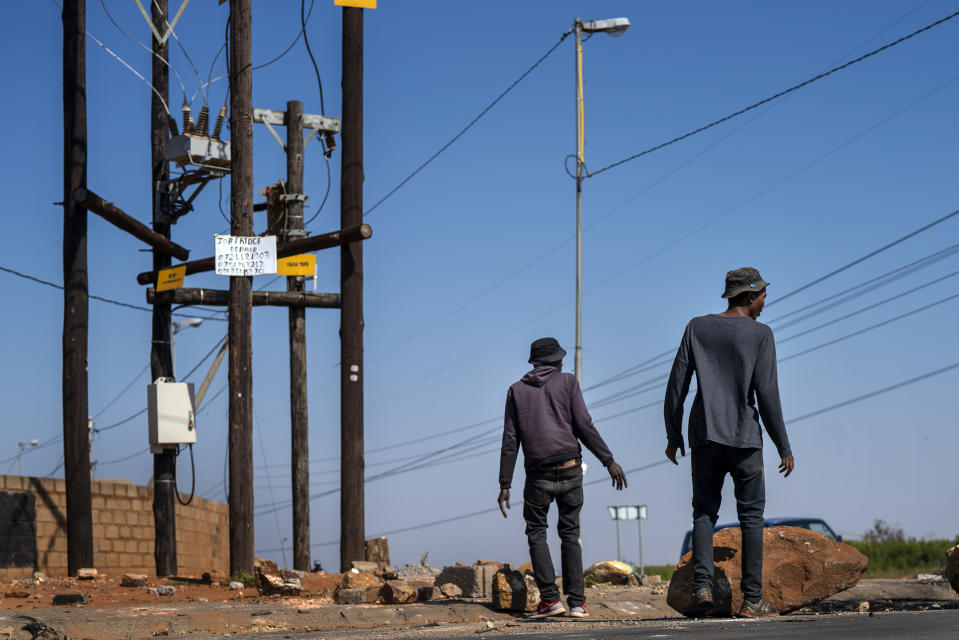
(952, 567)
(451, 590)
(397, 592)
(800, 568)
(133, 580)
(476, 581)
(514, 591)
(426, 594)
(69, 598)
(88, 573)
(271, 581)
(610, 571)
(649, 581)
(162, 590)
(367, 582)
(365, 566)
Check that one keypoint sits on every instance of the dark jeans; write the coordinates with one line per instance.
(566, 488)
(710, 463)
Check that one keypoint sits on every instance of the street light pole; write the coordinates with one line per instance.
(192, 322)
(20, 447)
(580, 159)
(614, 27)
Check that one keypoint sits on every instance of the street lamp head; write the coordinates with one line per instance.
(190, 322)
(34, 442)
(611, 26)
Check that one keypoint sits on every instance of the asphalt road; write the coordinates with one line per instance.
(881, 626)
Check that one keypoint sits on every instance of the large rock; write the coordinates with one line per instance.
(270, 581)
(357, 580)
(800, 568)
(476, 581)
(514, 591)
(952, 567)
(397, 592)
(611, 571)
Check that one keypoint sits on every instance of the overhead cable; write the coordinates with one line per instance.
(468, 126)
(820, 76)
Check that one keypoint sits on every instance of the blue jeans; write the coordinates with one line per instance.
(710, 464)
(566, 488)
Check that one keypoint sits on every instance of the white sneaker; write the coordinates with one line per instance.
(546, 609)
(578, 612)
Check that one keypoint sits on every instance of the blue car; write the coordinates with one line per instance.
(813, 524)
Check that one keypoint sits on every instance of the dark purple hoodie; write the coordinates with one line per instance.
(546, 414)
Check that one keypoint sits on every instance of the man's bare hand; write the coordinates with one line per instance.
(618, 475)
(786, 466)
(503, 499)
(671, 453)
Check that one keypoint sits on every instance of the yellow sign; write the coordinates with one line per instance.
(299, 265)
(171, 278)
(362, 4)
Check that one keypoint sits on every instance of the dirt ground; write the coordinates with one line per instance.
(105, 589)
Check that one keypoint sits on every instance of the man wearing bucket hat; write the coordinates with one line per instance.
(546, 415)
(734, 358)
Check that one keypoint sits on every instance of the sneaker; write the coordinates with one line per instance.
(701, 605)
(759, 609)
(578, 612)
(546, 609)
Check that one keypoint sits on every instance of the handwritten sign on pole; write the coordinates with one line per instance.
(245, 255)
(171, 278)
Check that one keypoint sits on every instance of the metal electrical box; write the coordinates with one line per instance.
(198, 150)
(170, 406)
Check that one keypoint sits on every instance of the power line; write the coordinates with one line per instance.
(468, 126)
(93, 297)
(124, 390)
(309, 50)
(772, 97)
(871, 254)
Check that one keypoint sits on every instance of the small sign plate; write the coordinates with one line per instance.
(171, 278)
(361, 4)
(245, 255)
(299, 265)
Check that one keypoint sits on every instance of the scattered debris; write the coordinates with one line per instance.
(417, 571)
(17, 593)
(236, 586)
(133, 580)
(649, 581)
(162, 590)
(864, 607)
(427, 594)
(39, 576)
(88, 573)
(349, 595)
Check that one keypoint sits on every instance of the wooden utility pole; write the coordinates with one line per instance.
(299, 415)
(352, 508)
(76, 427)
(241, 288)
(161, 353)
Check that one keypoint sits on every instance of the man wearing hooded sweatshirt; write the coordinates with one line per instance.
(546, 415)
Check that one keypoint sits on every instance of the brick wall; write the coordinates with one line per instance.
(122, 529)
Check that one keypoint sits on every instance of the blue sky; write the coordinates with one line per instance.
(474, 258)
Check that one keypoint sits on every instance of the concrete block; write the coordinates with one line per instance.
(476, 580)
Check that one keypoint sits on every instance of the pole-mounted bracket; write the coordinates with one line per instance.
(314, 123)
(294, 197)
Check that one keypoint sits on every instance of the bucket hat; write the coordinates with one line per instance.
(743, 279)
(545, 351)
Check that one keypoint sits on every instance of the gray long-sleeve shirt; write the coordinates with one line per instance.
(546, 414)
(734, 358)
